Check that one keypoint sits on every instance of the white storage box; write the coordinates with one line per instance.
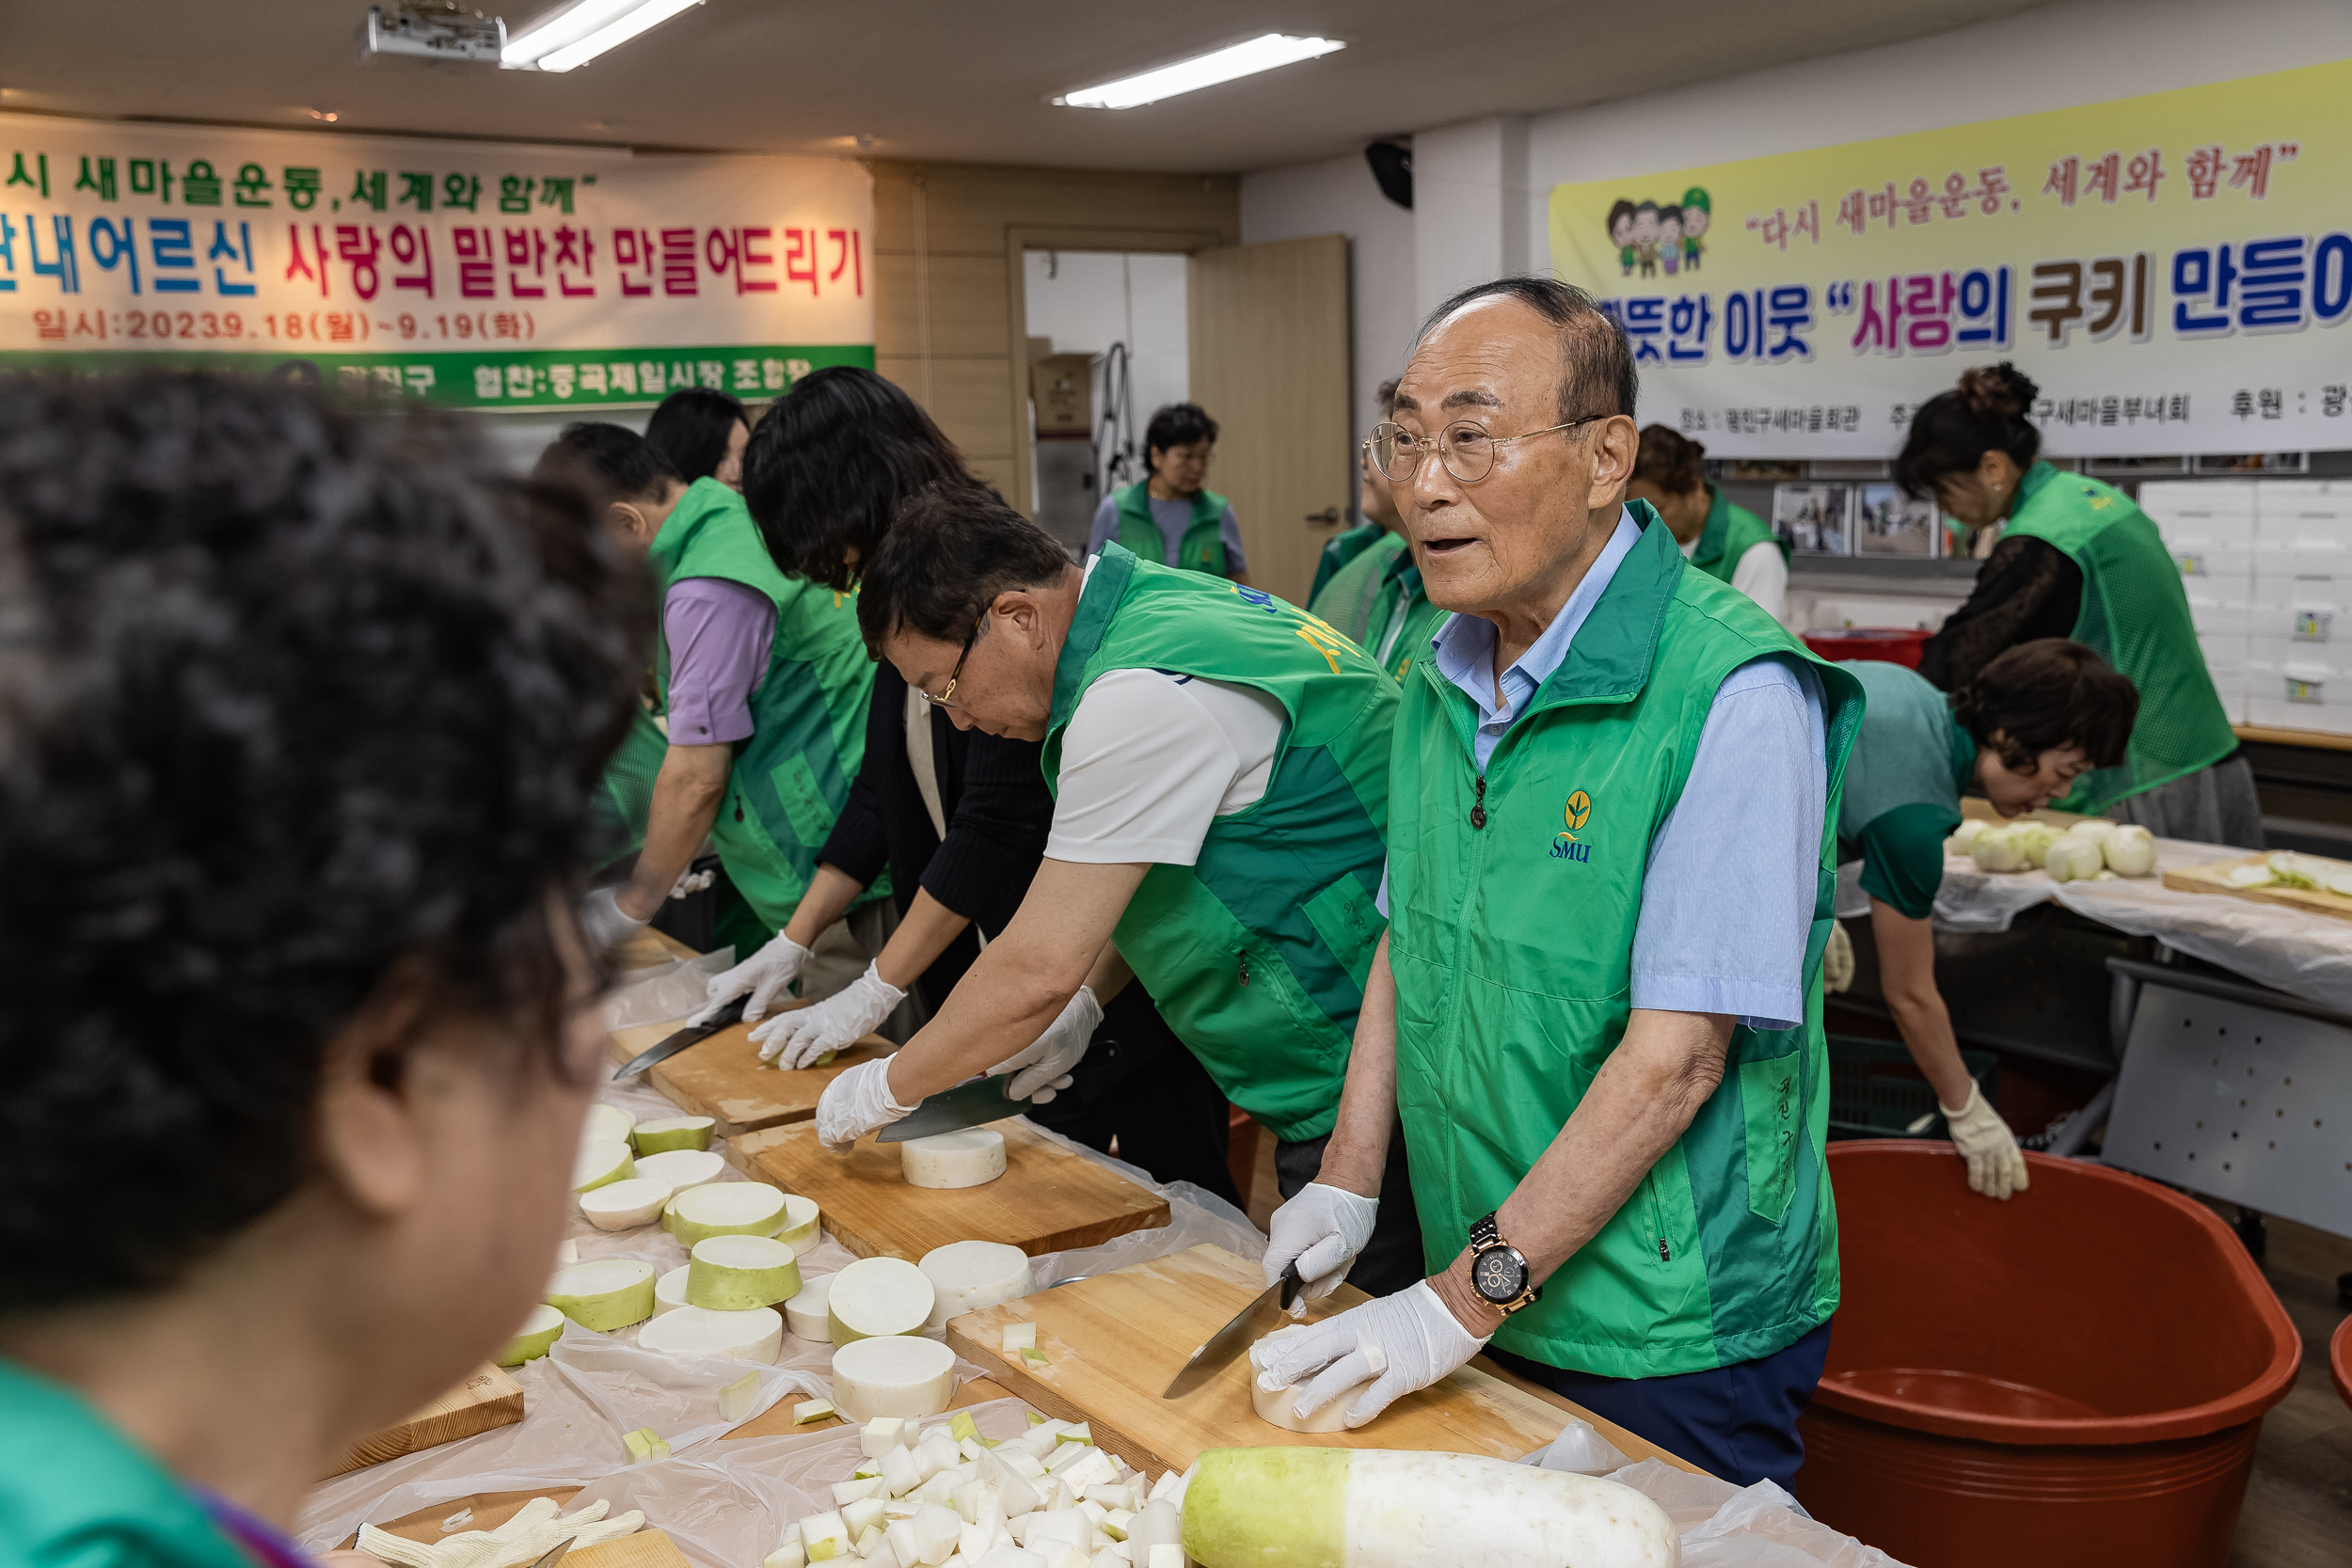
(2230, 684)
(2299, 694)
(2223, 568)
(2171, 500)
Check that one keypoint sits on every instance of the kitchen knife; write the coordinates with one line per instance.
(693, 1034)
(1236, 1336)
(968, 1104)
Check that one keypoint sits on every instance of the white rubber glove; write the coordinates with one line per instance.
(602, 921)
(691, 882)
(1324, 1228)
(1043, 1069)
(766, 975)
(856, 1104)
(1395, 1343)
(1996, 1167)
(1838, 959)
(795, 1040)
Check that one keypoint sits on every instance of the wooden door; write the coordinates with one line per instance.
(1268, 342)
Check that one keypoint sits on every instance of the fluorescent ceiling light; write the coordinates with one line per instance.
(1207, 70)
(584, 29)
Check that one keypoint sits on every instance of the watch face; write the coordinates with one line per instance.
(1498, 1275)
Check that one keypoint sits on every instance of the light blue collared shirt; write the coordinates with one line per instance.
(1727, 895)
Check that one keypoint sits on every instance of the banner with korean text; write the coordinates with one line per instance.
(464, 273)
(2172, 269)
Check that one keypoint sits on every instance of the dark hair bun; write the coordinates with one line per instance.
(1999, 391)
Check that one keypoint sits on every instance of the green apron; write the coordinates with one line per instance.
(1345, 600)
(1403, 619)
(1910, 762)
(1730, 533)
(791, 775)
(1337, 552)
(2135, 613)
(73, 1490)
(1202, 547)
(1258, 954)
(1512, 946)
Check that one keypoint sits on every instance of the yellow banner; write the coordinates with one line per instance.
(2170, 268)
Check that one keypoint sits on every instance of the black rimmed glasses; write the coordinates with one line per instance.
(1466, 448)
(947, 692)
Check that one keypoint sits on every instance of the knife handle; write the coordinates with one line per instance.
(1290, 1284)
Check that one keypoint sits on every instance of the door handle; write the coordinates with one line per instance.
(1328, 517)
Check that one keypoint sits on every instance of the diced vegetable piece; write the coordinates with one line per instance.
(848, 1492)
(935, 1531)
(964, 1159)
(1021, 1461)
(604, 1295)
(939, 1491)
(737, 1398)
(1165, 1556)
(672, 1132)
(735, 1274)
(538, 1334)
(961, 1426)
(1034, 1420)
(1017, 1338)
(862, 1514)
(883, 1434)
(1035, 1358)
(877, 1296)
(811, 1410)
(600, 1163)
(968, 1275)
(903, 1545)
(792, 1554)
(1115, 1523)
(871, 1540)
(723, 1208)
(900, 1474)
(936, 1452)
(683, 1168)
(1077, 1431)
(755, 1335)
(644, 1445)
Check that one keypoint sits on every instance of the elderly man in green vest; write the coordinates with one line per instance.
(1219, 762)
(1611, 878)
(1171, 517)
(764, 684)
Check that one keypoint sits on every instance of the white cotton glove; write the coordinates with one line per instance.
(856, 1104)
(796, 1039)
(1395, 1343)
(765, 975)
(1996, 1167)
(1323, 1229)
(602, 921)
(1043, 1069)
(1838, 959)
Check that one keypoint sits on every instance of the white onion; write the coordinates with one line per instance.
(892, 1375)
(2072, 858)
(1963, 835)
(1997, 849)
(2130, 850)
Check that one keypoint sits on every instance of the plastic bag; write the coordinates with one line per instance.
(671, 991)
(1195, 1215)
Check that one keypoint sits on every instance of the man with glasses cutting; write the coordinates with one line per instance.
(1610, 881)
(1219, 761)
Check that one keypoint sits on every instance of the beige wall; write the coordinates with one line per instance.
(964, 227)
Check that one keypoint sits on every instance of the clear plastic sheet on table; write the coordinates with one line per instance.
(666, 992)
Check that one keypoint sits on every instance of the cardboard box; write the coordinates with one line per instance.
(1062, 387)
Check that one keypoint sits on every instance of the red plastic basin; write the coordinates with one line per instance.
(1893, 644)
(2075, 1376)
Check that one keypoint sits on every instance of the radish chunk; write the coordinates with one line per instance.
(969, 1275)
(1379, 1508)
(606, 1124)
(804, 1314)
(893, 1374)
(725, 1209)
(734, 1274)
(600, 1163)
(538, 1334)
(669, 1291)
(606, 1294)
(683, 1168)
(624, 1205)
(753, 1336)
(660, 1137)
(737, 1398)
(878, 1295)
(800, 1230)
(965, 1158)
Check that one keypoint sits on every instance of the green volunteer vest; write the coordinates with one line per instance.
(2136, 614)
(1911, 756)
(1202, 547)
(1730, 533)
(1512, 946)
(1345, 601)
(1337, 552)
(75, 1490)
(1403, 619)
(1257, 955)
(808, 712)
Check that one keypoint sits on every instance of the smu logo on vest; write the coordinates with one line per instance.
(1566, 845)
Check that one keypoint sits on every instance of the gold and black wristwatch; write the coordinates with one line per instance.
(1499, 1271)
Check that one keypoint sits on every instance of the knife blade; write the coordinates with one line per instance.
(1234, 1338)
(693, 1034)
(968, 1104)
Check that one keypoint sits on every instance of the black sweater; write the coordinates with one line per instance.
(993, 793)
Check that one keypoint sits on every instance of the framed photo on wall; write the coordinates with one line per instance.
(1890, 525)
(1816, 517)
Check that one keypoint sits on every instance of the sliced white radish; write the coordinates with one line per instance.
(1018, 1338)
(567, 1253)
(538, 1334)
(804, 1314)
(964, 1159)
(607, 1124)
(753, 1336)
(893, 1374)
(811, 1410)
(683, 1168)
(968, 1275)
(672, 1132)
(723, 1208)
(669, 1291)
(605, 1293)
(734, 1274)
(599, 1163)
(624, 1205)
(801, 1231)
(1281, 1405)
(878, 1296)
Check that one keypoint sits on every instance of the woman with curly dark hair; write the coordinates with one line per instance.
(299, 714)
(2076, 559)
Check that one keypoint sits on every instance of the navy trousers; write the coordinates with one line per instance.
(1737, 1422)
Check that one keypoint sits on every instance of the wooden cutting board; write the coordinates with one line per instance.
(2213, 877)
(721, 1078)
(1047, 1199)
(776, 1420)
(486, 1400)
(1112, 1343)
